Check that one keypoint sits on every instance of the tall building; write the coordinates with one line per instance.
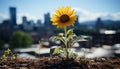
(5, 31)
(24, 19)
(39, 22)
(99, 23)
(47, 21)
(13, 16)
(27, 25)
(77, 22)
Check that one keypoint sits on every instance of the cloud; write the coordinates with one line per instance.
(3, 17)
(19, 17)
(28, 15)
(85, 15)
(116, 16)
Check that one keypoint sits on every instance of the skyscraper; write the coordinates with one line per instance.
(99, 23)
(13, 16)
(47, 21)
(77, 21)
(24, 19)
(39, 22)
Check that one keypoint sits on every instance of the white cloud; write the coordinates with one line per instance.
(3, 17)
(116, 16)
(19, 17)
(85, 15)
(28, 15)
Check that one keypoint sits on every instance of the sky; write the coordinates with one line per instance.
(86, 9)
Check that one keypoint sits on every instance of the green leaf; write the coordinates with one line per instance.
(51, 51)
(74, 35)
(7, 52)
(73, 43)
(88, 38)
(70, 37)
(57, 38)
(55, 50)
(70, 32)
(76, 56)
(85, 37)
(51, 38)
(61, 34)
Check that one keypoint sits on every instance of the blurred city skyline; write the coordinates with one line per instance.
(87, 10)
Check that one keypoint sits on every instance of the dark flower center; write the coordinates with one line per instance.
(64, 18)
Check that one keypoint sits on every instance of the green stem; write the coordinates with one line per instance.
(66, 44)
(65, 30)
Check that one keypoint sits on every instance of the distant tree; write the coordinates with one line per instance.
(20, 40)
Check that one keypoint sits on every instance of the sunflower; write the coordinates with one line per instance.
(63, 17)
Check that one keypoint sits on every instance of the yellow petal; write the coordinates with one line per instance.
(54, 23)
(54, 15)
(68, 9)
(62, 11)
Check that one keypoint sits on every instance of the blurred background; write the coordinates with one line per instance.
(25, 27)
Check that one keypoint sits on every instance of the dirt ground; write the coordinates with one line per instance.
(60, 63)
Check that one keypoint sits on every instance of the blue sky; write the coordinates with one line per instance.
(86, 9)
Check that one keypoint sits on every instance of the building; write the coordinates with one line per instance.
(24, 19)
(27, 26)
(77, 22)
(106, 37)
(39, 22)
(99, 24)
(13, 16)
(47, 21)
(38, 25)
(5, 31)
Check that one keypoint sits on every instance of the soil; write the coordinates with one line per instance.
(61, 63)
